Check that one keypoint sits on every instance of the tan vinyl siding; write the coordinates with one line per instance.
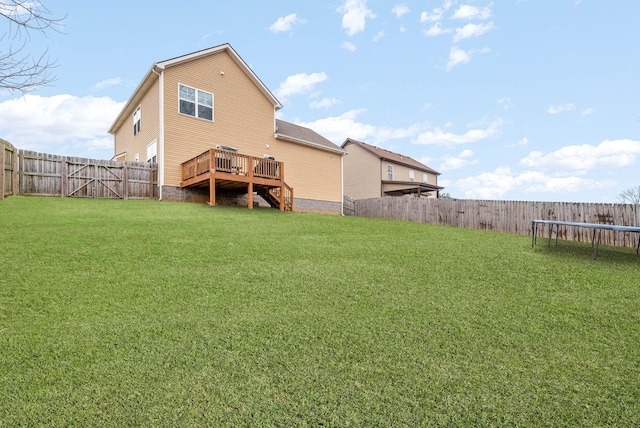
(125, 141)
(400, 172)
(313, 173)
(431, 178)
(243, 116)
(362, 173)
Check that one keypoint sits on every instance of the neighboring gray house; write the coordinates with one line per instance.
(371, 172)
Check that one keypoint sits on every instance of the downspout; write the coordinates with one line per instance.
(160, 131)
(342, 184)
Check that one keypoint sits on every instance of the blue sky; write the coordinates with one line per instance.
(509, 99)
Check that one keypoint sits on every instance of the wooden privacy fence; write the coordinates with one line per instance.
(9, 165)
(41, 174)
(506, 216)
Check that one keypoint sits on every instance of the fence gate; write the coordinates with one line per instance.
(96, 179)
(8, 156)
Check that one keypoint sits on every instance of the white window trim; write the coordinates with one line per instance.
(196, 103)
(389, 172)
(412, 175)
(152, 151)
(137, 117)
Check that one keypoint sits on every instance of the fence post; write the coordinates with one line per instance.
(4, 171)
(63, 177)
(125, 183)
(20, 171)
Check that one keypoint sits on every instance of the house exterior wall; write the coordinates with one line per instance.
(362, 174)
(125, 141)
(243, 118)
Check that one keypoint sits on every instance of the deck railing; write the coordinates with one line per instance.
(233, 163)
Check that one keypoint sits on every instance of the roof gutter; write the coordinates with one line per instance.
(130, 101)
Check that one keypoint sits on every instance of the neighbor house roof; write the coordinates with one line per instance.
(157, 67)
(301, 135)
(389, 156)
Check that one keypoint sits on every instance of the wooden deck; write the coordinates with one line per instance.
(221, 170)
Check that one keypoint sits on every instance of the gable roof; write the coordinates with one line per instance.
(153, 74)
(300, 134)
(390, 156)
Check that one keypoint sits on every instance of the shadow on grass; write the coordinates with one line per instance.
(578, 250)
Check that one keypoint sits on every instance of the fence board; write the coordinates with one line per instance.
(505, 216)
(53, 175)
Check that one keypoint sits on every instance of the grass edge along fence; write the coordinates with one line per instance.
(506, 216)
(32, 173)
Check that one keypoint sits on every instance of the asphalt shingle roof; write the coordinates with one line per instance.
(300, 133)
(390, 156)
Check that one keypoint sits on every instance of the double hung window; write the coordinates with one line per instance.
(136, 121)
(196, 103)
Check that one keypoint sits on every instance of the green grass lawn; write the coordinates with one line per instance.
(121, 313)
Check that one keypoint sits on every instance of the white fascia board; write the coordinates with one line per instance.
(309, 143)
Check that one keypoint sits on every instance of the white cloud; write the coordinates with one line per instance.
(472, 30)
(436, 30)
(587, 112)
(459, 56)
(301, 83)
(457, 162)
(324, 103)
(506, 103)
(471, 12)
(400, 9)
(59, 123)
(338, 128)
(440, 137)
(560, 108)
(107, 83)
(286, 23)
(493, 185)
(348, 46)
(403, 29)
(355, 16)
(436, 14)
(608, 154)
(522, 142)
(378, 36)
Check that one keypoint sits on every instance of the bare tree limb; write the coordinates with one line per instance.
(630, 196)
(20, 70)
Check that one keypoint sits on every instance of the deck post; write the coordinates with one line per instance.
(250, 196)
(282, 198)
(212, 179)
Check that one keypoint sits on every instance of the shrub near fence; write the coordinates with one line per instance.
(506, 216)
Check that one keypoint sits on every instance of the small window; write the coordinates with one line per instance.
(227, 149)
(196, 103)
(425, 178)
(136, 121)
(412, 176)
(152, 152)
(390, 172)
